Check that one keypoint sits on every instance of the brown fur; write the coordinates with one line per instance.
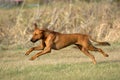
(55, 40)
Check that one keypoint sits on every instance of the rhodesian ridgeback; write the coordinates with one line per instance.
(55, 40)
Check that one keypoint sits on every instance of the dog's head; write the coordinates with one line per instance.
(37, 34)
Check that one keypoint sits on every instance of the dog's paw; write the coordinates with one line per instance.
(27, 53)
(32, 58)
(106, 55)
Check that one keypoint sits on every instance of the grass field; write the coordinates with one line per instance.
(65, 64)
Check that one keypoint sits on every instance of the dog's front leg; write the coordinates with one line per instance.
(33, 48)
(48, 43)
(40, 47)
(46, 50)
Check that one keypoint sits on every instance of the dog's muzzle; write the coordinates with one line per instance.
(32, 40)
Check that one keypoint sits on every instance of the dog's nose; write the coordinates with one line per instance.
(31, 40)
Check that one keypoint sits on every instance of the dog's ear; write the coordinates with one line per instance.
(35, 26)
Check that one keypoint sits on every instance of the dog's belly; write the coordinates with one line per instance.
(63, 41)
(60, 46)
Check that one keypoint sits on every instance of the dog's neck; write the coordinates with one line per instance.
(46, 33)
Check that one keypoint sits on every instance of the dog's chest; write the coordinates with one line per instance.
(56, 43)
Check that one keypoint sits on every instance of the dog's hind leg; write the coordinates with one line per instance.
(85, 51)
(92, 48)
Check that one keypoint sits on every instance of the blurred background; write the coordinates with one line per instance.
(98, 18)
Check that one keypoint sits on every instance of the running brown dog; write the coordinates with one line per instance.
(55, 40)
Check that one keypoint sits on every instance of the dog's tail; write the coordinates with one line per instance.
(99, 43)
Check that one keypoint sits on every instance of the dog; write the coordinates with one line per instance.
(55, 40)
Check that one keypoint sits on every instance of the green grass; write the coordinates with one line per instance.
(65, 64)
(83, 71)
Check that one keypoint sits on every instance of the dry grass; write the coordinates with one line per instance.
(98, 19)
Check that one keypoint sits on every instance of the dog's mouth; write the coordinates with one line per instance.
(34, 40)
